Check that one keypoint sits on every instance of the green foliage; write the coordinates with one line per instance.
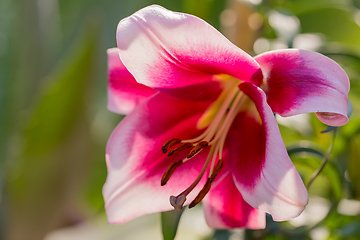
(61, 100)
(169, 223)
(354, 164)
(336, 24)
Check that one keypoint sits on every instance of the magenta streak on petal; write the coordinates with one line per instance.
(285, 94)
(279, 189)
(225, 207)
(164, 49)
(124, 93)
(300, 81)
(164, 52)
(139, 163)
(246, 148)
(124, 84)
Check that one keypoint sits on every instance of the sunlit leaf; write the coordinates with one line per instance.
(329, 171)
(304, 148)
(335, 23)
(61, 100)
(169, 223)
(301, 6)
(354, 164)
(56, 146)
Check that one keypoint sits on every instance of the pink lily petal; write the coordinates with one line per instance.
(124, 93)
(171, 51)
(224, 207)
(261, 167)
(301, 81)
(135, 161)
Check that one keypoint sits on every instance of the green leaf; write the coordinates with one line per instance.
(329, 171)
(58, 115)
(354, 164)
(169, 223)
(335, 23)
(301, 6)
(304, 147)
(61, 100)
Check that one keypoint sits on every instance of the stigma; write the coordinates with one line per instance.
(217, 120)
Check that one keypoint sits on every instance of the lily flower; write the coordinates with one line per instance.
(200, 124)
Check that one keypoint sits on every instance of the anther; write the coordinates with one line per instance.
(197, 148)
(177, 202)
(201, 194)
(169, 143)
(207, 185)
(217, 170)
(169, 171)
(180, 147)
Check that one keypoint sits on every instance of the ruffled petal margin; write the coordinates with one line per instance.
(301, 81)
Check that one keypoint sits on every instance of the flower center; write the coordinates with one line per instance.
(217, 119)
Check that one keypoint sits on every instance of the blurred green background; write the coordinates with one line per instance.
(54, 123)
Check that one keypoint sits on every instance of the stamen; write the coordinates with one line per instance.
(214, 158)
(197, 148)
(210, 131)
(217, 170)
(207, 185)
(180, 147)
(169, 171)
(169, 143)
(229, 118)
(177, 202)
(201, 194)
(218, 119)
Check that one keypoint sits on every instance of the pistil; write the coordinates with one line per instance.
(175, 200)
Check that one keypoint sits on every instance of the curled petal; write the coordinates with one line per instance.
(301, 81)
(225, 208)
(261, 167)
(124, 93)
(171, 51)
(136, 163)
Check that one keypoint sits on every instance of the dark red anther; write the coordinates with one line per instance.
(197, 148)
(201, 194)
(169, 171)
(169, 143)
(217, 170)
(180, 147)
